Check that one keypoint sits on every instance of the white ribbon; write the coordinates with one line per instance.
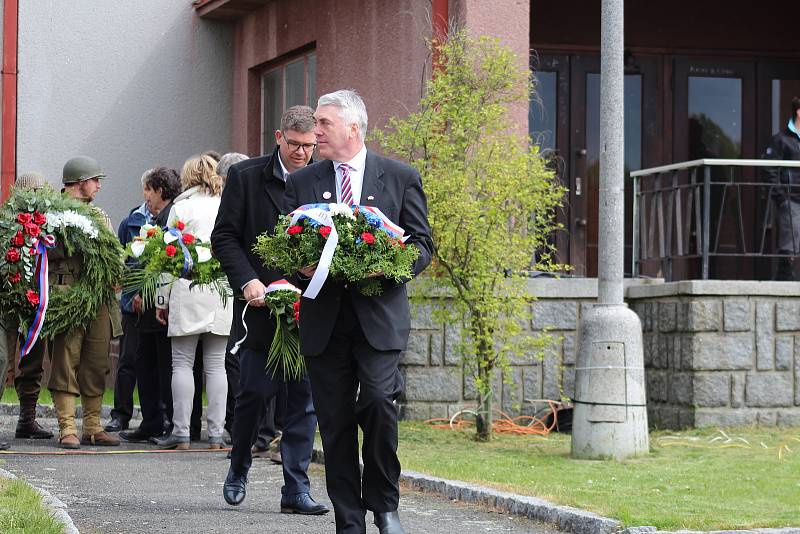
(280, 285)
(324, 218)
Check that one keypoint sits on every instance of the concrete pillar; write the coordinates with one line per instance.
(610, 415)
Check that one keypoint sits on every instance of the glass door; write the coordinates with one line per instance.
(640, 87)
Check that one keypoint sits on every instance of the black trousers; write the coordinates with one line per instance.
(28, 378)
(154, 376)
(257, 386)
(356, 385)
(232, 372)
(125, 381)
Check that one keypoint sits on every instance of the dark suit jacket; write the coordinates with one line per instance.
(250, 206)
(397, 191)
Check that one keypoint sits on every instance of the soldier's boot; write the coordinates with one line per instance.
(93, 433)
(65, 411)
(27, 427)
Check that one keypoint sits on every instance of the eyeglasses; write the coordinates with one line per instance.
(294, 146)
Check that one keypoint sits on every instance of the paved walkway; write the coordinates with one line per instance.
(182, 492)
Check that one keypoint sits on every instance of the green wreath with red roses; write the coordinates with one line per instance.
(32, 222)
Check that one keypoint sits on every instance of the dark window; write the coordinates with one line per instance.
(542, 111)
(289, 84)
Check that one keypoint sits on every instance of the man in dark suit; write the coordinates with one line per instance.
(250, 206)
(352, 343)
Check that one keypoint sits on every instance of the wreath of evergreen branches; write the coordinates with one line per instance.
(69, 307)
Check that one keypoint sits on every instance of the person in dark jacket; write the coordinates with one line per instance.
(126, 364)
(785, 145)
(153, 361)
(251, 204)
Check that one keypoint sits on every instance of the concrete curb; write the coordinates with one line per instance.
(565, 518)
(52, 503)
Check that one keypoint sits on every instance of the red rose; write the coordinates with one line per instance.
(367, 238)
(32, 297)
(24, 218)
(296, 307)
(14, 278)
(325, 231)
(39, 218)
(32, 230)
(294, 230)
(188, 239)
(170, 250)
(179, 225)
(12, 255)
(18, 240)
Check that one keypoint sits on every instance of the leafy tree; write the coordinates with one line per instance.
(491, 200)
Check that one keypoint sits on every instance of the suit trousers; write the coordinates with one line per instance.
(356, 385)
(154, 380)
(126, 370)
(258, 386)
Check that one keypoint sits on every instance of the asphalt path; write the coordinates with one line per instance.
(182, 492)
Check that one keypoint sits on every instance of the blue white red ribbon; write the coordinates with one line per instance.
(321, 214)
(187, 256)
(41, 245)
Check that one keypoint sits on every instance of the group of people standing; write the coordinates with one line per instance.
(351, 343)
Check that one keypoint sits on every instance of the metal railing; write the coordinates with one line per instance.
(672, 211)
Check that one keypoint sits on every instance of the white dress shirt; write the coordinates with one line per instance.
(356, 165)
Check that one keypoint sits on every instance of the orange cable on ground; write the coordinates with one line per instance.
(504, 424)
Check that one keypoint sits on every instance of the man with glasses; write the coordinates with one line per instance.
(251, 204)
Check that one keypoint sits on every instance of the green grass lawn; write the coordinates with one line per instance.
(21, 510)
(690, 480)
(10, 397)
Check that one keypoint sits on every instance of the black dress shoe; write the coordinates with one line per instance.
(388, 522)
(115, 425)
(4, 446)
(235, 488)
(136, 436)
(302, 503)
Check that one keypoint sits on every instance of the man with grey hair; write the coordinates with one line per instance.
(352, 343)
(251, 204)
(227, 161)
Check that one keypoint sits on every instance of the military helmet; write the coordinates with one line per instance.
(81, 168)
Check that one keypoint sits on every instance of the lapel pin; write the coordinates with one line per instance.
(370, 197)
(326, 195)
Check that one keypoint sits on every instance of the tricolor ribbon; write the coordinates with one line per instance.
(321, 214)
(41, 245)
(187, 256)
(278, 285)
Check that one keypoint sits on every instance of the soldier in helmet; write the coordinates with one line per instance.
(80, 356)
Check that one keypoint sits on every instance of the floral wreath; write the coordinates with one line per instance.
(160, 256)
(31, 223)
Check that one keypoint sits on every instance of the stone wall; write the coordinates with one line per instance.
(721, 353)
(436, 385)
(715, 353)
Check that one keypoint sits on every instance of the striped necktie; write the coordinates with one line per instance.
(344, 185)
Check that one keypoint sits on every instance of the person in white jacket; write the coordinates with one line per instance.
(196, 314)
